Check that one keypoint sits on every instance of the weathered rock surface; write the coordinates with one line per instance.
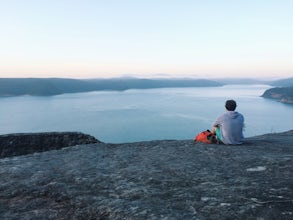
(27, 143)
(152, 180)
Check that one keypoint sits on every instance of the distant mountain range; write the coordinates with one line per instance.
(283, 82)
(247, 81)
(56, 86)
(242, 81)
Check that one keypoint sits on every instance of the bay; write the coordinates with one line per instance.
(146, 114)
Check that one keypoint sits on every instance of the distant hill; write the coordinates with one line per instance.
(242, 81)
(136, 83)
(283, 82)
(282, 94)
(283, 91)
(55, 86)
(249, 81)
(42, 87)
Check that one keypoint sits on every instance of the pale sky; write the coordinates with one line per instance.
(144, 38)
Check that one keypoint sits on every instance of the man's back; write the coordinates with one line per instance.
(231, 126)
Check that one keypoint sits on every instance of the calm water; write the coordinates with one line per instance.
(137, 115)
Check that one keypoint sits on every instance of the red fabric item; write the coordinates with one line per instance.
(206, 137)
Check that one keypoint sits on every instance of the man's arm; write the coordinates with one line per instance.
(214, 129)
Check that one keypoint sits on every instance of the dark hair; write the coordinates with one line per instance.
(230, 105)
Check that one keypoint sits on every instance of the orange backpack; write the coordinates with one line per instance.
(206, 137)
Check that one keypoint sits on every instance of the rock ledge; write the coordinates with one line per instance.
(28, 143)
(152, 180)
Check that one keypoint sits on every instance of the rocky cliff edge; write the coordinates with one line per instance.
(167, 179)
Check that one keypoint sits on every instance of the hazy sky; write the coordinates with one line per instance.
(108, 38)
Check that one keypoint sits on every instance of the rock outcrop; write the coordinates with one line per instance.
(27, 143)
(152, 180)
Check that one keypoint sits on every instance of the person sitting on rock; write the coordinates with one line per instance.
(228, 127)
